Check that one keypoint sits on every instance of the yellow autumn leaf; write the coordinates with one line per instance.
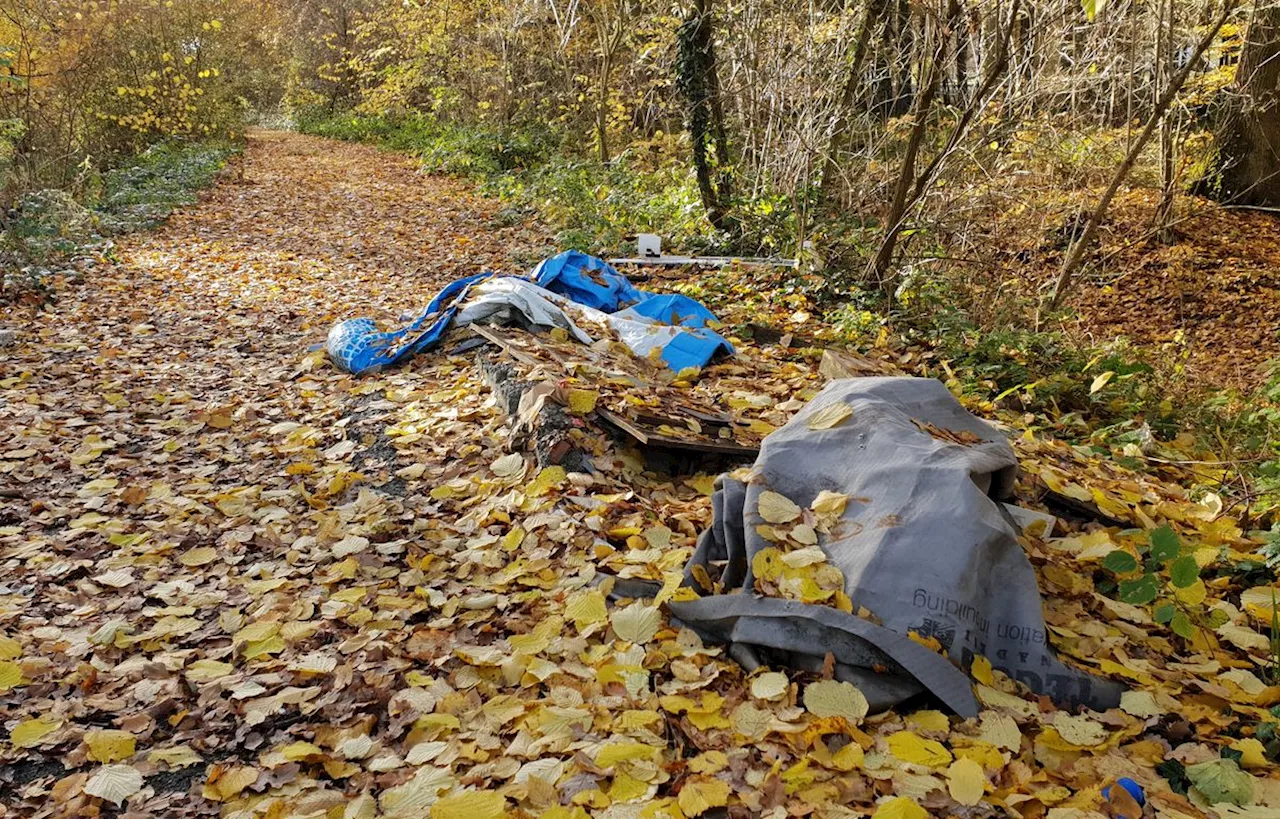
(775, 508)
(413, 799)
(911, 747)
(769, 685)
(983, 753)
(829, 504)
(10, 675)
(804, 533)
(705, 715)
(637, 623)
(832, 698)
(548, 478)
(508, 466)
(1101, 381)
(110, 745)
(256, 632)
(259, 639)
(538, 639)
(929, 720)
(981, 670)
(586, 608)
(627, 788)
(206, 670)
(751, 721)
(849, 758)
(900, 807)
(29, 733)
(995, 698)
(199, 556)
(1245, 638)
(966, 782)
(471, 805)
(1080, 730)
(1258, 601)
(1253, 754)
(295, 751)
(1192, 595)
(702, 484)
(1140, 704)
(616, 752)
(227, 783)
(832, 415)
(10, 649)
(262, 648)
(697, 796)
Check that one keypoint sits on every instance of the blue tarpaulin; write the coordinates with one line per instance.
(357, 346)
(587, 280)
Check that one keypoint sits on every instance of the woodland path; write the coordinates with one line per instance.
(164, 409)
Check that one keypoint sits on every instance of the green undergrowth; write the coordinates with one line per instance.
(647, 188)
(1120, 401)
(48, 232)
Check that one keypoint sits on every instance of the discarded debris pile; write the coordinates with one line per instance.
(542, 376)
(870, 524)
(563, 292)
(1142, 587)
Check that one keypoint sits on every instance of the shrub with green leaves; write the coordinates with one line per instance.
(49, 228)
(1165, 575)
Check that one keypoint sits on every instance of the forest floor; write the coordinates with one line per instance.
(235, 579)
(1213, 292)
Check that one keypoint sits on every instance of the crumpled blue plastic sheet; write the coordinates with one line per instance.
(587, 280)
(358, 346)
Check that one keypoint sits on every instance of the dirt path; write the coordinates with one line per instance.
(214, 312)
(163, 448)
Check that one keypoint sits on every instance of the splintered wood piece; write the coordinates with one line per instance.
(505, 343)
(650, 438)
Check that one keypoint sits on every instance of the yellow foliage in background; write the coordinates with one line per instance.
(95, 79)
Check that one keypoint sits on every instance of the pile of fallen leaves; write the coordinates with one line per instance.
(237, 581)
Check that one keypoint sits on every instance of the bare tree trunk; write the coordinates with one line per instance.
(962, 61)
(1248, 136)
(1168, 176)
(910, 187)
(602, 109)
(1075, 253)
(840, 131)
(878, 270)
